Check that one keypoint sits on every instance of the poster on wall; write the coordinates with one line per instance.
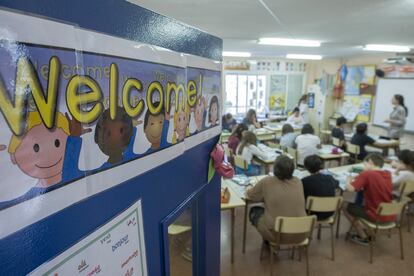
(359, 107)
(357, 75)
(121, 247)
(95, 113)
(277, 94)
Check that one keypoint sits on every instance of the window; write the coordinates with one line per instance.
(244, 92)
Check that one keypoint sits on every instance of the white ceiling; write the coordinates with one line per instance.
(343, 26)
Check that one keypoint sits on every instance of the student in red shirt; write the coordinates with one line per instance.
(376, 185)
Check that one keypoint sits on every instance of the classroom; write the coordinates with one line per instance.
(233, 138)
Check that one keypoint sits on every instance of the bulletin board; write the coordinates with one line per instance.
(357, 108)
(357, 75)
(277, 93)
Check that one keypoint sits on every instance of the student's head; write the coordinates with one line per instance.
(153, 125)
(313, 164)
(283, 167)
(287, 128)
(406, 158)
(308, 129)
(251, 116)
(398, 100)
(373, 161)
(238, 131)
(248, 138)
(361, 128)
(113, 135)
(228, 117)
(341, 121)
(213, 111)
(303, 99)
(40, 151)
(296, 112)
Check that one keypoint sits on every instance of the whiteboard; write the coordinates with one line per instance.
(386, 89)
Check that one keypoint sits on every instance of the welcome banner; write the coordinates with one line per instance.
(68, 113)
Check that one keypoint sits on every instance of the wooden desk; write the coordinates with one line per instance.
(277, 129)
(382, 144)
(234, 202)
(262, 134)
(326, 157)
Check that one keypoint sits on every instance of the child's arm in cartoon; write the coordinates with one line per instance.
(164, 133)
(2, 147)
(73, 148)
(129, 151)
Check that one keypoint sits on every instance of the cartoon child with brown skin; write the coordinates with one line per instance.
(114, 137)
(156, 129)
(213, 111)
(41, 153)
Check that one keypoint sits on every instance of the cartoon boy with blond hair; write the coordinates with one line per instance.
(41, 152)
(181, 121)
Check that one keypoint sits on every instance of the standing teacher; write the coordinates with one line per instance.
(398, 117)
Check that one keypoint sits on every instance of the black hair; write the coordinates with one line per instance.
(283, 167)
(248, 138)
(303, 98)
(375, 158)
(287, 128)
(379, 73)
(214, 100)
(238, 131)
(407, 157)
(313, 163)
(121, 116)
(308, 129)
(227, 116)
(361, 128)
(400, 100)
(340, 121)
(296, 109)
(250, 113)
(148, 113)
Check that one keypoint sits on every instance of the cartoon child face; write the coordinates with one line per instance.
(41, 154)
(113, 138)
(198, 116)
(153, 129)
(214, 113)
(182, 123)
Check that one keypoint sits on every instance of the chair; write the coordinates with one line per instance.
(325, 204)
(273, 145)
(384, 209)
(285, 226)
(293, 153)
(354, 150)
(336, 142)
(240, 163)
(230, 156)
(405, 190)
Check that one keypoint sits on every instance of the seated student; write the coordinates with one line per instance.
(247, 149)
(338, 131)
(295, 118)
(236, 136)
(318, 184)
(288, 136)
(282, 195)
(251, 120)
(307, 143)
(361, 139)
(404, 168)
(228, 122)
(376, 185)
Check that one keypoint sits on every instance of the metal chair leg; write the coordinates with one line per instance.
(337, 224)
(319, 231)
(271, 260)
(332, 242)
(408, 222)
(401, 243)
(307, 260)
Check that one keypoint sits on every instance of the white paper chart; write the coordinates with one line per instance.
(117, 248)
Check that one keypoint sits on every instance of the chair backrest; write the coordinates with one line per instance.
(228, 151)
(336, 142)
(353, 149)
(390, 209)
(294, 225)
(323, 204)
(292, 152)
(240, 162)
(273, 145)
(406, 188)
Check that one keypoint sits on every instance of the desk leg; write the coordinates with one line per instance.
(232, 234)
(385, 151)
(244, 229)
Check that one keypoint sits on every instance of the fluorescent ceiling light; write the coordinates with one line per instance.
(296, 56)
(236, 54)
(289, 42)
(386, 48)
